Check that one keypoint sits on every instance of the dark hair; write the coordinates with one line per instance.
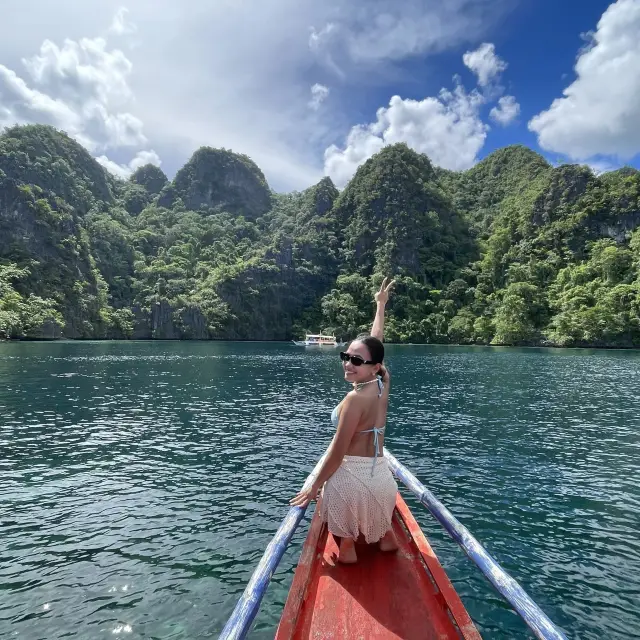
(375, 346)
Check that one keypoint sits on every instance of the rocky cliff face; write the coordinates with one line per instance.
(567, 184)
(619, 229)
(169, 323)
(42, 233)
(221, 180)
(214, 254)
(394, 218)
(59, 166)
(152, 178)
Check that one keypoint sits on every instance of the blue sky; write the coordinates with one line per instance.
(310, 89)
(541, 41)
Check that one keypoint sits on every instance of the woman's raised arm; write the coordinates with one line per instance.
(382, 296)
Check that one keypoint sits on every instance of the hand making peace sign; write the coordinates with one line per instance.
(382, 295)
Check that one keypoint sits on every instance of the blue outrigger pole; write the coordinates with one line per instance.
(239, 623)
(247, 607)
(507, 587)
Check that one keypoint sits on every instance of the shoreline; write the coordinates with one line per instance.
(395, 344)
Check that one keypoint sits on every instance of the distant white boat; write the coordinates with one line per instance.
(318, 340)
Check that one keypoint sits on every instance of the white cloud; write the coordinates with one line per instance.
(485, 63)
(22, 104)
(600, 111)
(145, 157)
(602, 166)
(319, 39)
(82, 70)
(384, 30)
(120, 26)
(362, 143)
(319, 94)
(81, 87)
(236, 74)
(123, 171)
(120, 170)
(321, 45)
(448, 129)
(506, 112)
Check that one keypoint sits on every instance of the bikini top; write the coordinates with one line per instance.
(377, 431)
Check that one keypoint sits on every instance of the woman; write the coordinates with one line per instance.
(360, 492)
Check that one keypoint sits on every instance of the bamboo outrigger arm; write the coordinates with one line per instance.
(248, 605)
(509, 589)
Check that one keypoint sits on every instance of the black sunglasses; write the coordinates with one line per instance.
(356, 361)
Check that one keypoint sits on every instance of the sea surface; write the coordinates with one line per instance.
(140, 482)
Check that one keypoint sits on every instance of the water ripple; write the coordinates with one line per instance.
(140, 482)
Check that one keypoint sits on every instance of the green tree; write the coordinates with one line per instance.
(520, 314)
(30, 317)
(512, 251)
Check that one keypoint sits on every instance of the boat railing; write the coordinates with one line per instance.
(247, 607)
(507, 587)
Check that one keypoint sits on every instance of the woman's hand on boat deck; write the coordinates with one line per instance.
(382, 295)
(305, 497)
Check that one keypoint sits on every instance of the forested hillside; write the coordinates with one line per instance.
(512, 251)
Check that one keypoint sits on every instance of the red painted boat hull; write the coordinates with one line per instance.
(405, 594)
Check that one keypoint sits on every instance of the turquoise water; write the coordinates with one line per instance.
(140, 482)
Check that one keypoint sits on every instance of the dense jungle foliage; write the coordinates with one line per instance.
(513, 251)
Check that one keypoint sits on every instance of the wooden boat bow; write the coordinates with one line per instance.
(358, 601)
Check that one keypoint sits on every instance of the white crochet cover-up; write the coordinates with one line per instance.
(355, 501)
(359, 498)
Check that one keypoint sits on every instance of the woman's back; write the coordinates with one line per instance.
(373, 401)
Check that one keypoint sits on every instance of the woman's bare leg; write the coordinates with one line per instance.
(347, 553)
(388, 541)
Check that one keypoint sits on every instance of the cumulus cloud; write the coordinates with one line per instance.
(599, 112)
(123, 171)
(143, 158)
(320, 38)
(384, 30)
(485, 63)
(80, 87)
(506, 111)
(362, 143)
(447, 128)
(236, 74)
(23, 104)
(120, 25)
(319, 94)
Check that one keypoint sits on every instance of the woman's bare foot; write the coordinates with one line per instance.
(347, 553)
(389, 542)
